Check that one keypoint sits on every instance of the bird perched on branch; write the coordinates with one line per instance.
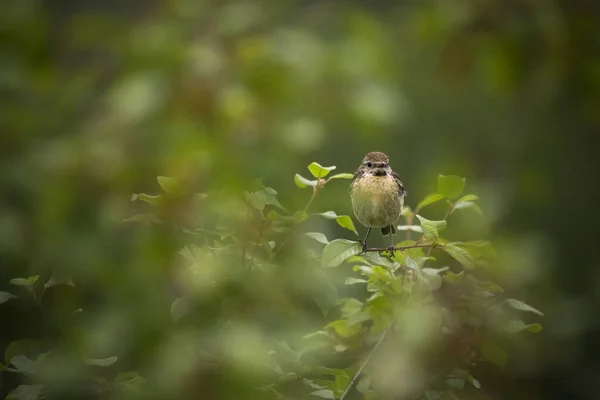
(377, 195)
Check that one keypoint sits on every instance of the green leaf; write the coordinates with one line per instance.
(431, 228)
(516, 326)
(25, 392)
(25, 282)
(324, 394)
(341, 176)
(318, 236)
(102, 362)
(346, 222)
(170, 185)
(180, 307)
(451, 186)
(428, 200)
(319, 171)
(455, 383)
(432, 277)
(466, 204)
(59, 278)
(24, 364)
(27, 347)
(147, 198)
(493, 353)
(460, 255)
(5, 296)
(149, 218)
(343, 328)
(302, 182)
(342, 220)
(131, 380)
(258, 200)
(519, 305)
(337, 251)
(454, 279)
(468, 197)
(352, 281)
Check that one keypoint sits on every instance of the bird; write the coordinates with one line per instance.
(377, 194)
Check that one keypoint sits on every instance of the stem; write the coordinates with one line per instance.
(412, 246)
(448, 211)
(260, 235)
(244, 243)
(308, 204)
(354, 380)
(314, 194)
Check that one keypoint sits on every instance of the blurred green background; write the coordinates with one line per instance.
(100, 97)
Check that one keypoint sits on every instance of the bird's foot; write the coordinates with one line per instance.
(364, 247)
(391, 249)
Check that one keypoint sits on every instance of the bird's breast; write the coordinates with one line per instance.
(376, 201)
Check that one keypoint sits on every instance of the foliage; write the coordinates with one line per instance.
(406, 325)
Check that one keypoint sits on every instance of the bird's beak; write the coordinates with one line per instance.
(379, 172)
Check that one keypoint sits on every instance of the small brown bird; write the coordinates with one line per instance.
(377, 195)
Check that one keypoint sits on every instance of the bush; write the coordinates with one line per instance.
(261, 308)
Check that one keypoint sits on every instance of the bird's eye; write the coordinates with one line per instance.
(369, 164)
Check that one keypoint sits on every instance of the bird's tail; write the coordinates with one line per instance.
(386, 230)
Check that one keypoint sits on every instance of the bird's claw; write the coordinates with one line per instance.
(391, 249)
(364, 247)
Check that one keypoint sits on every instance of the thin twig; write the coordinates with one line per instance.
(354, 380)
(412, 246)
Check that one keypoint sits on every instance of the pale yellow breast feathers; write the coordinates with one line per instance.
(376, 201)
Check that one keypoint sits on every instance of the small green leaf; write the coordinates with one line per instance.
(295, 218)
(318, 236)
(258, 200)
(346, 222)
(466, 204)
(519, 305)
(342, 220)
(24, 364)
(102, 362)
(343, 328)
(428, 200)
(516, 326)
(28, 347)
(5, 296)
(493, 353)
(149, 218)
(468, 197)
(460, 255)
(431, 228)
(180, 307)
(451, 186)
(324, 394)
(337, 251)
(352, 281)
(147, 198)
(319, 171)
(130, 380)
(25, 392)
(341, 176)
(24, 282)
(302, 182)
(170, 185)
(455, 383)
(454, 279)
(59, 278)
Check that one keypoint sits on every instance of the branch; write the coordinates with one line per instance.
(354, 380)
(401, 248)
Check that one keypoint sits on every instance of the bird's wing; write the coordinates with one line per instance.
(354, 178)
(398, 180)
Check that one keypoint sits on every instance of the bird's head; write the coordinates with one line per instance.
(376, 163)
